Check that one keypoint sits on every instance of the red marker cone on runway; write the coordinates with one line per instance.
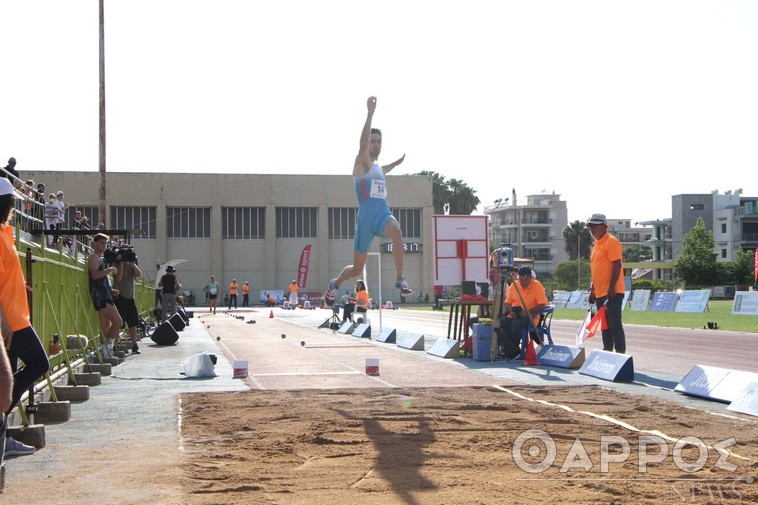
(531, 357)
(271, 315)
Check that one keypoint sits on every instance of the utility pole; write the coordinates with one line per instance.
(101, 208)
(579, 260)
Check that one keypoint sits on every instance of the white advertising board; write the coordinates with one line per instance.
(561, 298)
(640, 299)
(579, 300)
(461, 249)
(745, 303)
(693, 301)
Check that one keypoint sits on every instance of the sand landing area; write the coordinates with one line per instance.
(461, 446)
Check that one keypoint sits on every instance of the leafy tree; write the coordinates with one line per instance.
(440, 194)
(646, 253)
(743, 267)
(631, 255)
(567, 273)
(696, 263)
(577, 240)
(458, 194)
(463, 199)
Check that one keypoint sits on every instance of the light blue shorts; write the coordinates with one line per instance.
(369, 224)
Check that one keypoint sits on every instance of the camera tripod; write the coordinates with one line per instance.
(334, 321)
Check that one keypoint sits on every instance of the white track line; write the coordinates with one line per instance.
(609, 419)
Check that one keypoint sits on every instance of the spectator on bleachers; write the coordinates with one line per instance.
(62, 208)
(40, 198)
(51, 220)
(10, 168)
(30, 193)
(80, 221)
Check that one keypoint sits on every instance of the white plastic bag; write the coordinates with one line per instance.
(199, 365)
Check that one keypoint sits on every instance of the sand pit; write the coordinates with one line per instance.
(456, 446)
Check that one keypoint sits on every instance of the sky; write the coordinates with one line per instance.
(614, 105)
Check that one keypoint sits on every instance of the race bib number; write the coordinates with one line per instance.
(378, 189)
(213, 291)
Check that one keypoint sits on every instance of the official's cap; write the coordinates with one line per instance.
(597, 219)
(525, 271)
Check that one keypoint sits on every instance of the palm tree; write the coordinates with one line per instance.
(458, 194)
(463, 199)
(577, 240)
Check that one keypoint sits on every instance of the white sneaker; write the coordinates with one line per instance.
(402, 285)
(16, 448)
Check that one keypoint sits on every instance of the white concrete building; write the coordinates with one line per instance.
(534, 229)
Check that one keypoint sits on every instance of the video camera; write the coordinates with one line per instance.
(119, 254)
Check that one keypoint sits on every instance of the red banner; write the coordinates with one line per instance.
(302, 271)
(755, 260)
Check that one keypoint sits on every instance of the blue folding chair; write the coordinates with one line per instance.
(542, 329)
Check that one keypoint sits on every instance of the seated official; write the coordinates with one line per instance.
(348, 307)
(525, 291)
(362, 300)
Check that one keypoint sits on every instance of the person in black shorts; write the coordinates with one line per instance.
(102, 294)
(123, 281)
(211, 290)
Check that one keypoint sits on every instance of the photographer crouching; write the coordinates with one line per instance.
(123, 281)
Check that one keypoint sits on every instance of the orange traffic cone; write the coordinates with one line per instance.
(531, 357)
(271, 315)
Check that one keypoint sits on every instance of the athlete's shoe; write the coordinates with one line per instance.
(16, 448)
(331, 293)
(405, 290)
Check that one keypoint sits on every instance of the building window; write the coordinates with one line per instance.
(188, 222)
(410, 222)
(297, 222)
(723, 253)
(696, 206)
(723, 227)
(342, 223)
(91, 212)
(140, 221)
(243, 222)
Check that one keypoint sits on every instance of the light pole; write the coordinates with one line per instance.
(579, 260)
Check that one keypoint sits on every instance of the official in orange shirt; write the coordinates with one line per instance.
(532, 294)
(233, 294)
(608, 281)
(20, 339)
(293, 294)
(362, 300)
(246, 294)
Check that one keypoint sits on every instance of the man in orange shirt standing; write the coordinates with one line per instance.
(607, 281)
(233, 294)
(246, 294)
(293, 294)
